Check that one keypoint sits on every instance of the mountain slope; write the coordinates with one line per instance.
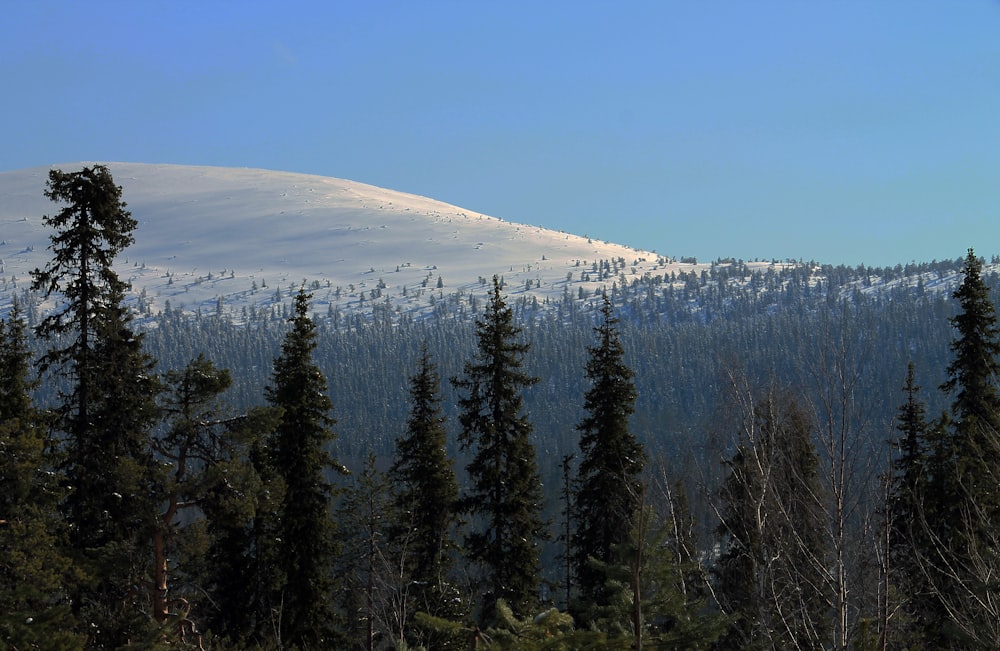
(208, 235)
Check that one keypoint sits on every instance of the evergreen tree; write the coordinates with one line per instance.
(34, 571)
(301, 458)
(123, 413)
(677, 585)
(239, 572)
(975, 408)
(608, 479)
(769, 576)
(505, 492)
(200, 448)
(907, 539)
(108, 414)
(91, 231)
(425, 493)
(375, 591)
(962, 502)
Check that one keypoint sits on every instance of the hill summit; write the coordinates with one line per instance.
(212, 238)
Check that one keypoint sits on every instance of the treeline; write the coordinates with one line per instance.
(520, 480)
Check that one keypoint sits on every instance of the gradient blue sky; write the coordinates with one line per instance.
(839, 131)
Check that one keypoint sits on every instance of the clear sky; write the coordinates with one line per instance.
(847, 131)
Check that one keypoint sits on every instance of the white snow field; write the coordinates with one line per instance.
(211, 237)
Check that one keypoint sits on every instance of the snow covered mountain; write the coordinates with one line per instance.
(214, 238)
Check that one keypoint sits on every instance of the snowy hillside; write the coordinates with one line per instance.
(234, 237)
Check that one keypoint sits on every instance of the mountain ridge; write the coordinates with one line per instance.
(218, 237)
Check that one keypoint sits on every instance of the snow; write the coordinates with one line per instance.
(239, 235)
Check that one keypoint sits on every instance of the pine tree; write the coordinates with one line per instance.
(109, 412)
(301, 458)
(505, 492)
(608, 481)
(769, 574)
(198, 449)
(425, 493)
(33, 568)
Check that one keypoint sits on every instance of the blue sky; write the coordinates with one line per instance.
(838, 131)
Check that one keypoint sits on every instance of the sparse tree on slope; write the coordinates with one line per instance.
(505, 493)
(608, 484)
(301, 459)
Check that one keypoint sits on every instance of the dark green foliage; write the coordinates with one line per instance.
(906, 517)
(425, 493)
(34, 571)
(90, 232)
(376, 590)
(301, 459)
(608, 479)
(424, 484)
(198, 450)
(110, 409)
(676, 587)
(961, 500)
(769, 576)
(972, 374)
(239, 572)
(505, 493)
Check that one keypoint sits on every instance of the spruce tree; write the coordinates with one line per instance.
(301, 458)
(907, 539)
(34, 570)
(425, 494)
(608, 484)
(975, 407)
(109, 412)
(240, 573)
(505, 493)
(962, 504)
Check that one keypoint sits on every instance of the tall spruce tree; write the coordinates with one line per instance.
(109, 412)
(34, 570)
(425, 495)
(907, 540)
(608, 484)
(963, 505)
(301, 458)
(975, 407)
(505, 493)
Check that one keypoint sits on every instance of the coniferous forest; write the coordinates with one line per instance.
(793, 464)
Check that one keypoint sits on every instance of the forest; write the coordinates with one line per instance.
(731, 460)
